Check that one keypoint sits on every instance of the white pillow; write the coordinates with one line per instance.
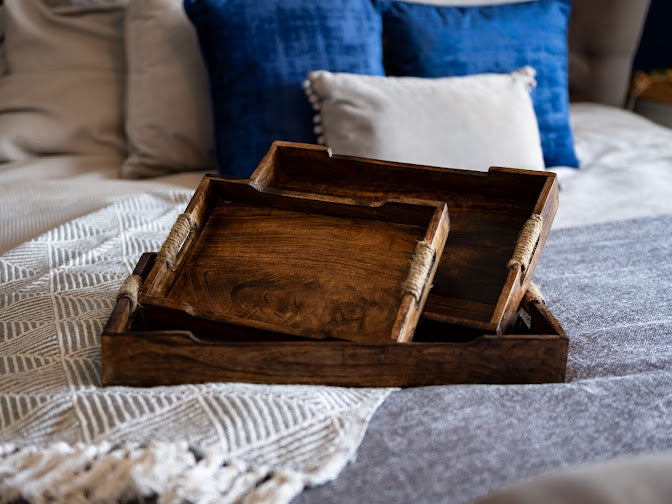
(64, 90)
(168, 116)
(471, 122)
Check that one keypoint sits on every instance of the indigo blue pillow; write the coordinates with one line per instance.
(258, 52)
(441, 41)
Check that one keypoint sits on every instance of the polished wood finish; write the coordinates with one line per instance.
(137, 355)
(473, 286)
(300, 265)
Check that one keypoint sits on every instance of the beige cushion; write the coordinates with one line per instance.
(168, 118)
(471, 122)
(64, 90)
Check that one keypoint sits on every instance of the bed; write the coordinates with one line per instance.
(102, 149)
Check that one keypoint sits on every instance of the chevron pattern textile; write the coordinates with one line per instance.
(218, 442)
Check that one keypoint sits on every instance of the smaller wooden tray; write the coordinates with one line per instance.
(141, 352)
(301, 265)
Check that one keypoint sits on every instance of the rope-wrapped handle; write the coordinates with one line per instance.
(179, 232)
(533, 294)
(129, 290)
(527, 241)
(421, 265)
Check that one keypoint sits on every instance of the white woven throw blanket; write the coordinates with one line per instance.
(63, 438)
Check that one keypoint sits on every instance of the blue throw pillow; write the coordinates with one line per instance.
(258, 52)
(441, 41)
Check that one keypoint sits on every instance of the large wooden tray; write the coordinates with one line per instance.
(300, 265)
(495, 216)
(478, 325)
(142, 352)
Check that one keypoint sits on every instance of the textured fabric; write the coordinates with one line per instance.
(431, 41)
(168, 116)
(112, 474)
(56, 293)
(64, 92)
(609, 286)
(259, 51)
(484, 120)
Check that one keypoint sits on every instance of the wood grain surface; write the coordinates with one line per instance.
(311, 267)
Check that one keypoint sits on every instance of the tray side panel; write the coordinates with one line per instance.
(174, 359)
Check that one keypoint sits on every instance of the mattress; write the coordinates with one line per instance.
(604, 273)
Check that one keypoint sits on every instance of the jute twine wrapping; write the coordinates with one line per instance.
(527, 241)
(421, 264)
(181, 229)
(533, 294)
(129, 290)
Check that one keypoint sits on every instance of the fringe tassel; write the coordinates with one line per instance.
(316, 103)
(172, 473)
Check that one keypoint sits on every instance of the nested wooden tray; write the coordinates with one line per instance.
(497, 216)
(141, 351)
(297, 264)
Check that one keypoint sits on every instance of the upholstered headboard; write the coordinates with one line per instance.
(603, 39)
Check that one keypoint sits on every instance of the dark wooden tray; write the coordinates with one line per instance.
(137, 351)
(477, 326)
(297, 264)
(476, 285)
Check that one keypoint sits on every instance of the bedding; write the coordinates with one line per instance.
(71, 230)
(618, 351)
